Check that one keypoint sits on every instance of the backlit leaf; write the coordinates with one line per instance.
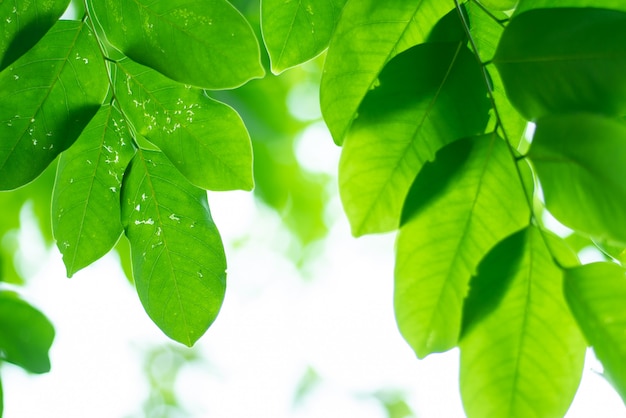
(460, 206)
(296, 31)
(207, 43)
(178, 258)
(86, 198)
(205, 139)
(47, 97)
(525, 358)
(581, 162)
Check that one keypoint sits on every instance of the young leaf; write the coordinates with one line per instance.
(86, 197)
(25, 334)
(47, 97)
(368, 34)
(429, 95)
(525, 358)
(205, 139)
(596, 293)
(580, 160)
(207, 43)
(178, 258)
(564, 60)
(296, 31)
(462, 204)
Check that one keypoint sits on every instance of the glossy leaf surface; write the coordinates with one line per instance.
(205, 139)
(460, 206)
(177, 254)
(86, 198)
(47, 97)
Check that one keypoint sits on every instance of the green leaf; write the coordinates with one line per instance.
(296, 31)
(499, 4)
(207, 43)
(25, 23)
(178, 258)
(580, 160)
(525, 5)
(205, 139)
(368, 35)
(86, 197)
(596, 293)
(460, 206)
(47, 97)
(428, 96)
(525, 358)
(25, 334)
(565, 60)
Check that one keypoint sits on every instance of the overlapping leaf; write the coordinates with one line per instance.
(581, 162)
(596, 293)
(525, 357)
(205, 139)
(428, 96)
(86, 198)
(25, 334)
(46, 98)
(296, 31)
(460, 206)
(178, 258)
(525, 5)
(368, 35)
(565, 60)
(207, 43)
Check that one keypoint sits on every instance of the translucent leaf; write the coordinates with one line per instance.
(525, 358)
(499, 4)
(86, 197)
(207, 43)
(296, 31)
(368, 35)
(581, 162)
(25, 334)
(564, 60)
(177, 254)
(460, 206)
(596, 293)
(205, 139)
(428, 96)
(47, 97)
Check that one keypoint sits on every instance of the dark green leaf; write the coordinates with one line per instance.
(368, 35)
(207, 43)
(581, 163)
(428, 96)
(525, 5)
(205, 139)
(525, 358)
(47, 97)
(178, 258)
(468, 206)
(596, 293)
(86, 198)
(25, 334)
(296, 31)
(565, 60)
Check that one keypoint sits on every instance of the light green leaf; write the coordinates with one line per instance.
(428, 96)
(524, 358)
(525, 5)
(596, 293)
(86, 197)
(460, 206)
(368, 35)
(47, 97)
(499, 4)
(25, 334)
(178, 258)
(565, 60)
(296, 31)
(207, 43)
(24, 23)
(580, 160)
(205, 139)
